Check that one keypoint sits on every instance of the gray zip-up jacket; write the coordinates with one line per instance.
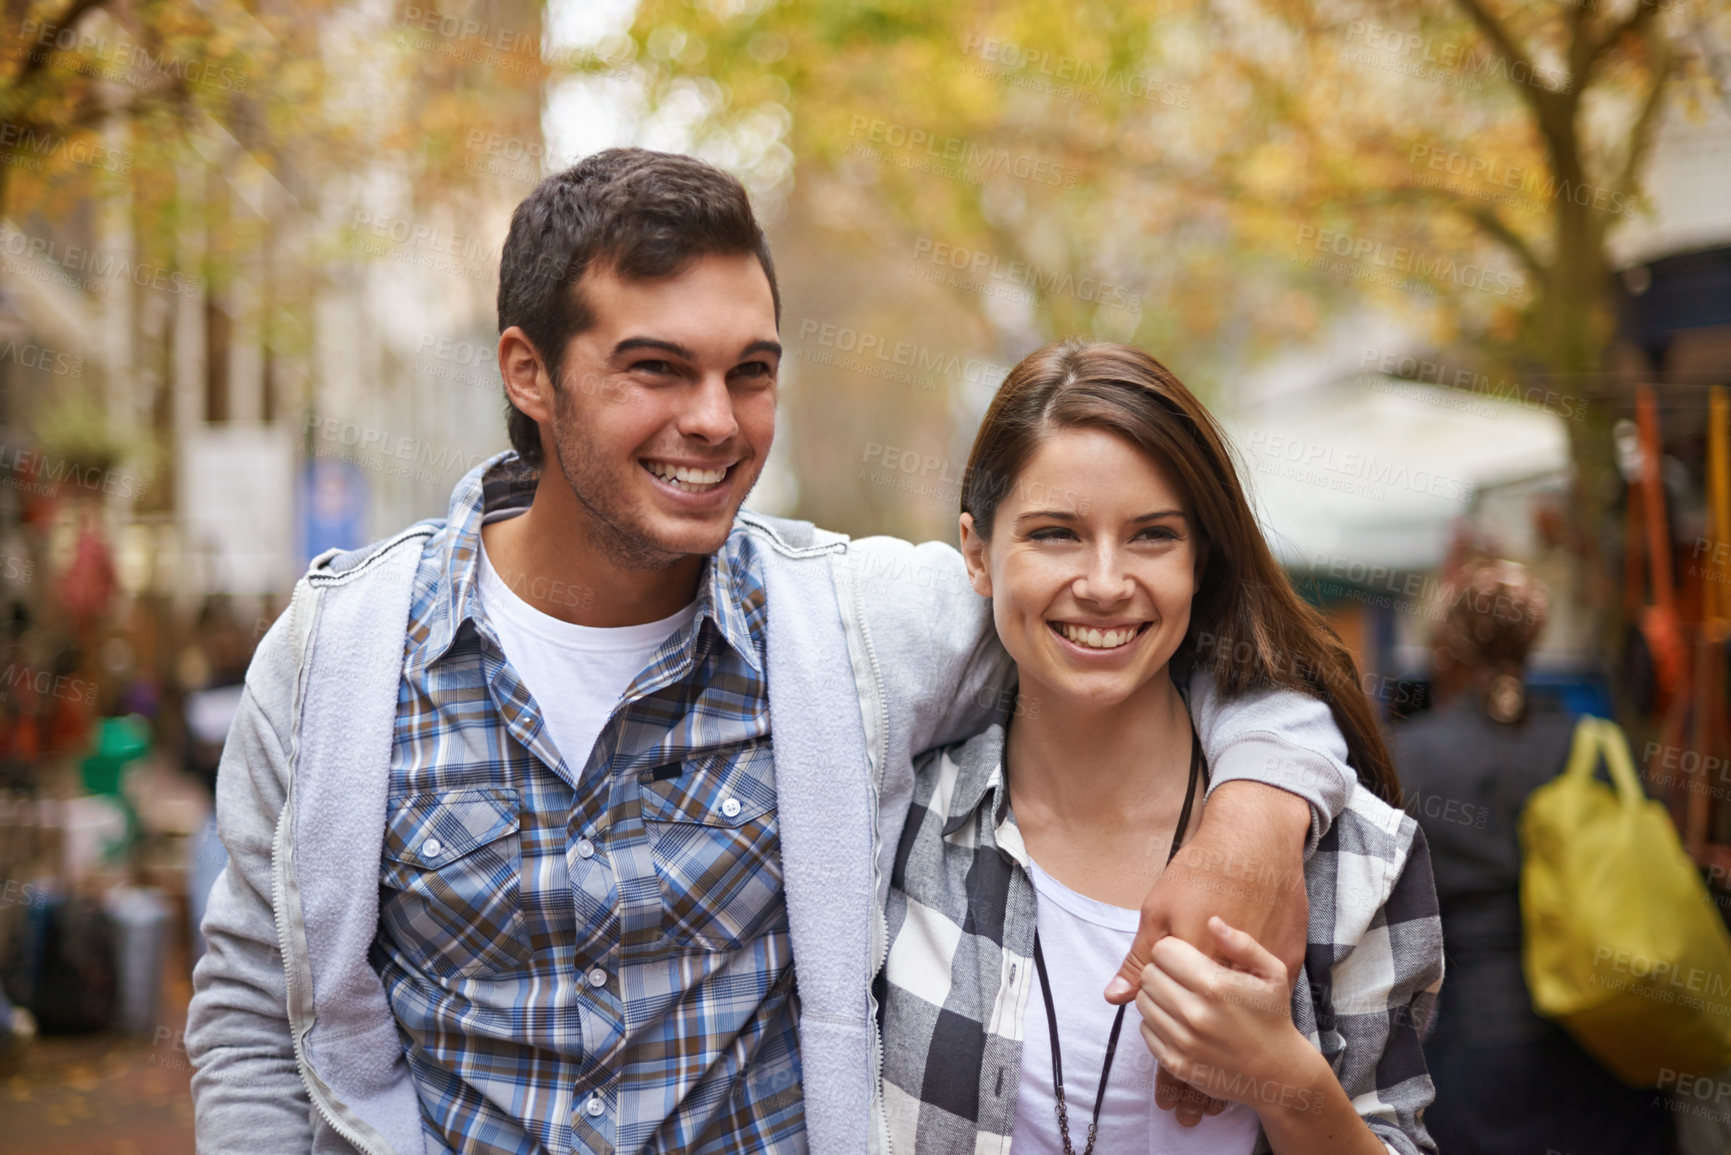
(869, 644)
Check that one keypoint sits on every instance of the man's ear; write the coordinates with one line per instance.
(974, 556)
(527, 385)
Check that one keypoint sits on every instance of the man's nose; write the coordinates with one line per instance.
(708, 414)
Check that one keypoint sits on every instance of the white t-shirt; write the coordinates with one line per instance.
(576, 674)
(1084, 941)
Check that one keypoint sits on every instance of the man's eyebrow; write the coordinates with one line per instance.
(631, 343)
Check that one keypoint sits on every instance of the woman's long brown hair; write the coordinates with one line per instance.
(1248, 626)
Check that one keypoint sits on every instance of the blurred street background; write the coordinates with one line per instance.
(1424, 260)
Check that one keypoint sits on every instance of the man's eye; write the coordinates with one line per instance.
(755, 369)
(651, 366)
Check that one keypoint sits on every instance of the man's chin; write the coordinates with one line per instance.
(675, 537)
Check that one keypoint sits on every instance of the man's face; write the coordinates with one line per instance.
(665, 408)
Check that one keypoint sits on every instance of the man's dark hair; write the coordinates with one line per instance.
(642, 215)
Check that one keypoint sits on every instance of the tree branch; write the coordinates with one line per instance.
(1492, 29)
(35, 59)
(1487, 219)
(1634, 22)
(1647, 120)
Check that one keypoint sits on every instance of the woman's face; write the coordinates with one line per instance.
(1091, 568)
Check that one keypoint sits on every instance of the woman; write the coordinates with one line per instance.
(1506, 1080)
(1102, 515)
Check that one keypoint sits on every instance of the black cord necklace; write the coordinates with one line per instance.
(1198, 770)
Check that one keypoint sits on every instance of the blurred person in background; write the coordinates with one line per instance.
(213, 673)
(1507, 1081)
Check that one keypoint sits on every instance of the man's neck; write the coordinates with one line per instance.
(551, 557)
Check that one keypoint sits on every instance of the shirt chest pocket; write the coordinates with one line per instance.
(711, 824)
(452, 872)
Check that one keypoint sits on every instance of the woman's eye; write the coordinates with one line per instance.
(1050, 533)
(1158, 533)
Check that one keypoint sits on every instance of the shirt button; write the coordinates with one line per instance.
(594, 1106)
(597, 978)
(585, 848)
(731, 808)
(432, 848)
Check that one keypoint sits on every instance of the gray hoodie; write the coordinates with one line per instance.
(869, 648)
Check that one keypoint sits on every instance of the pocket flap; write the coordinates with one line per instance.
(725, 788)
(431, 830)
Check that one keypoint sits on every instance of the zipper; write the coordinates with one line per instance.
(880, 946)
(282, 851)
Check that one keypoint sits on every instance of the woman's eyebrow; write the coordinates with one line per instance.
(1071, 515)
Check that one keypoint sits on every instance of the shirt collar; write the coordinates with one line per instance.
(503, 482)
(979, 780)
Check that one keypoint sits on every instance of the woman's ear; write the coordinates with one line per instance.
(974, 556)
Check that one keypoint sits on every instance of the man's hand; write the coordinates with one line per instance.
(1245, 864)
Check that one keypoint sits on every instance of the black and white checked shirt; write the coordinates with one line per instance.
(953, 993)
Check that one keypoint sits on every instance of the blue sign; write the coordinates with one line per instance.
(331, 502)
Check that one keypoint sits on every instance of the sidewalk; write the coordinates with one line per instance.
(105, 1094)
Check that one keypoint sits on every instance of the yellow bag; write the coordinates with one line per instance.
(1622, 945)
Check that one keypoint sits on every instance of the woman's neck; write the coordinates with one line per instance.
(1097, 791)
(1090, 764)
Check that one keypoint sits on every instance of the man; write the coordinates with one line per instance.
(591, 853)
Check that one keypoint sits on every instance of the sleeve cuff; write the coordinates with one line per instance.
(1271, 760)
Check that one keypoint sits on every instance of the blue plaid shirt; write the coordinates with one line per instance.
(588, 957)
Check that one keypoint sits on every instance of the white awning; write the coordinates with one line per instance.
(1375, 469)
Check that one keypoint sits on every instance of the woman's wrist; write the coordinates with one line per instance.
(1295, 1081)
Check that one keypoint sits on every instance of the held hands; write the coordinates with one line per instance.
(1245, 864)
(1226, 1030)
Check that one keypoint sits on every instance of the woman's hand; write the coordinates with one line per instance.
(1226, 1029)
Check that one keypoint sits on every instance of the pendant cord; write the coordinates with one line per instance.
(1198, 770)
